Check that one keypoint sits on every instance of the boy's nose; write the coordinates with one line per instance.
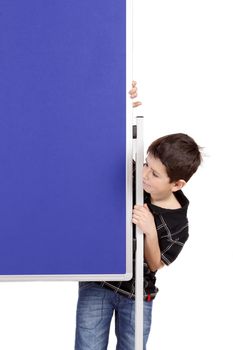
(145, 173)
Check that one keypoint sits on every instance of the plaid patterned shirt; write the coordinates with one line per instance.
(172, 229)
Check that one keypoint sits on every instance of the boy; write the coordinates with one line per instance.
(171, 161)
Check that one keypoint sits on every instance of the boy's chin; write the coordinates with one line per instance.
(146, 190)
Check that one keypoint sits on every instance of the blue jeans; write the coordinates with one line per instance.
(94, 313)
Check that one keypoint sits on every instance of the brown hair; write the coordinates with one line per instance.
(179, 153)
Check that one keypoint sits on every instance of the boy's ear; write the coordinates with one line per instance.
(177, 185)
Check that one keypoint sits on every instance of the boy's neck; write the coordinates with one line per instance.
(170, 202)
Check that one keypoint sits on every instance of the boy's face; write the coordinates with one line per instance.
(155, 179)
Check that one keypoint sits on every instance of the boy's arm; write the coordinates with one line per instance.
(152, 252)
(143, 218)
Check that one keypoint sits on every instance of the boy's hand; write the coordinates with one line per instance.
(134, 93)
(143, 218)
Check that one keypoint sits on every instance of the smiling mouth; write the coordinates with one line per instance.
(144, 184)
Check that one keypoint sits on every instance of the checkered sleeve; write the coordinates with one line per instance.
(171, 240)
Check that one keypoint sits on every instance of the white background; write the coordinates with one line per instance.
(183, 62)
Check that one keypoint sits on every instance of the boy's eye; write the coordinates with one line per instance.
(155, 175)
(145, 164)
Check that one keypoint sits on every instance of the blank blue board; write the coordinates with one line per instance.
(64, 154)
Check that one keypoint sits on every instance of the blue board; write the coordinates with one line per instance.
(63, 139)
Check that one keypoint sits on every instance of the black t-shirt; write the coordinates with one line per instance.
(172, 229)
